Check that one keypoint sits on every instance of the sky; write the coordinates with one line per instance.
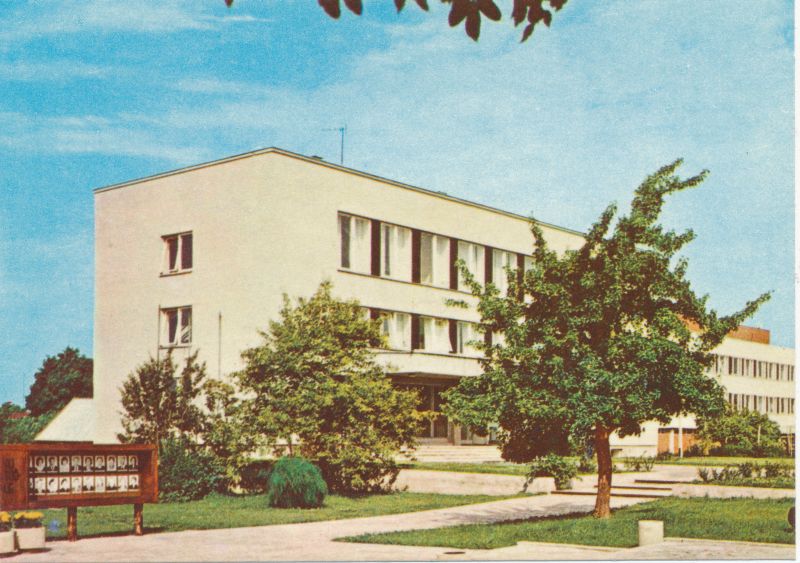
(96, 92)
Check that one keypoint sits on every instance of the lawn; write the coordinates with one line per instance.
(218, 511)
(518, 469)
(725, 519)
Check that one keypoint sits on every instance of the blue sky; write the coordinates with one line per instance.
(96, 92)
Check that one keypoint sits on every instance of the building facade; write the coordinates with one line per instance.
(198, 260)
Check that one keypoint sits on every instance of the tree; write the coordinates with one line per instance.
(60, 379)
(470, 12)
(228, 432)
(159, 403)
(742, 432)
(313, 385)
(597, 340)
(17, 426)
(25, 429)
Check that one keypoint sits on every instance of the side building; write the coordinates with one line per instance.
(198, 259)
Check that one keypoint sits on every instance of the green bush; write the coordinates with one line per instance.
(641, 463)
(295, 482)
(254, 475)
(187, 472)
(750, 474)
(587, 464)
(560, 468)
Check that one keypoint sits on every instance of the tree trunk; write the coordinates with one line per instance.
(602, 507)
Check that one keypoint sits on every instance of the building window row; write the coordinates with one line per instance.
(762, 404)
(731, 365)
(407, 331)
(391, 251)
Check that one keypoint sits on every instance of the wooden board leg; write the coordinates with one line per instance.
(138, 519)
(72, 523)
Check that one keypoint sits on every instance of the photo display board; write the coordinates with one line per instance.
(68, 474)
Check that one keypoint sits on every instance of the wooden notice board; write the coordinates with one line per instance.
(58, 475)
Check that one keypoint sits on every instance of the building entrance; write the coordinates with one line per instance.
(430, 399)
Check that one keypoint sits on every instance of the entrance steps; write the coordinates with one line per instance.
(447, 453)
(624, 491)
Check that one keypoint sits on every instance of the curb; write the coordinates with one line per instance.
(735, 542)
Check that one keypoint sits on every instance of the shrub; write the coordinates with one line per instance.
(641, 463)
(587, 464)
(746, 470)
(704, 474)
(352, 470)
(254, 475)
(295, 483)
(187, 472)
(560, 468)
(772, 470)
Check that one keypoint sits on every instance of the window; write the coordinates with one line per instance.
(434, 260)
(395, 252)
(354, 237)
(177, 253)
(501, 260)
(472, 255)
(397, 329)
(177, 326)
(434, 335)
(466, 335)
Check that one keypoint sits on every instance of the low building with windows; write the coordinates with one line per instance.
(198, 259)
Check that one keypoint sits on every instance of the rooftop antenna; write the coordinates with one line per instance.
(341, 131)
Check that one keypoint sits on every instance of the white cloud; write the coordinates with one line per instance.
(112, 16)
(51, 70)
(91, 134)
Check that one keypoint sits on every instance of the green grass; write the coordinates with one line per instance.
(724, 519)
(716, 460)
(517, 469)
(218, 511)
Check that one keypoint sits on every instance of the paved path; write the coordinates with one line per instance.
(309, 541)
(314, 540)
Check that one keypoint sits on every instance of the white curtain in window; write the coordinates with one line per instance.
(435, 260)
(467, 333)
(397, 329)
(472, 255)
(354, 240)
(395, 252)
(434, 335)
(500, 261)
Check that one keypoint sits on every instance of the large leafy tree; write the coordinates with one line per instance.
(468, 12)
(313, 386)
(158, 402)
(60, 379)
(597, 340)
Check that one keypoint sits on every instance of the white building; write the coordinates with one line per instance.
(199, 258)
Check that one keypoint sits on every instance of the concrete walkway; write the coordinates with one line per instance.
(314, 541)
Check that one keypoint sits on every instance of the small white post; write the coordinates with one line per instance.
(651, 531)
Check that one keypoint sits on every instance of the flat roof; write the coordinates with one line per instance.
(320, 162)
